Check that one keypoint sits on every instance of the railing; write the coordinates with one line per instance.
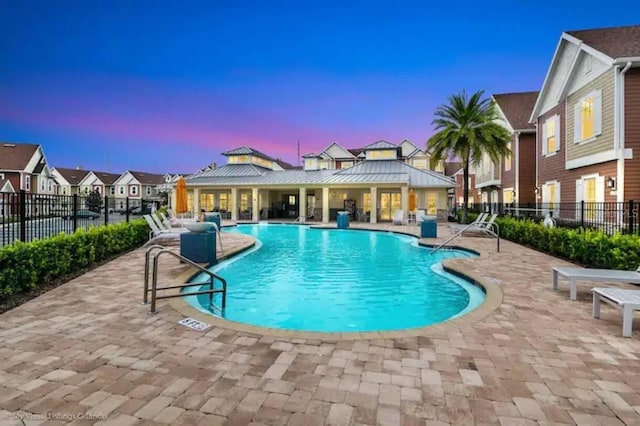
(26, 216)
(154, 280)
(610, 217)
(485, 226)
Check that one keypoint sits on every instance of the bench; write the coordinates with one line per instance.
(573, 274)
(627, 300)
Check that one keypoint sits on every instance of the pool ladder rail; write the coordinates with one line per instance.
(154, 281)
(489, 230)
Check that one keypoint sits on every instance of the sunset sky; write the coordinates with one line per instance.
(167, 86)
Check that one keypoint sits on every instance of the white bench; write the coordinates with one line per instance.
(627, 300)
(573, 274)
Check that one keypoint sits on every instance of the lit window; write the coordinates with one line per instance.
(366, 201)
(507, 158)
(346, 164)
(420, 163)
(507, 196)
(551, 135)
(292, 200)
(432, 203)
(586, 118)
(244, 201)
(223, 202)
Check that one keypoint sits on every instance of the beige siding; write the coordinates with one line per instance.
(603, 142)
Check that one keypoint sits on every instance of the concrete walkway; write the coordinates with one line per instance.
(87, 352)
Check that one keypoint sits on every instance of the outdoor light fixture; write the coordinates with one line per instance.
(537, 190)
(513, 193)
(611, 182)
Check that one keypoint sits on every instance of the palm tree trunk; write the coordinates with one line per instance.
(465, 186)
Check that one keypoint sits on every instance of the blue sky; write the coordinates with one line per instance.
(167, 86)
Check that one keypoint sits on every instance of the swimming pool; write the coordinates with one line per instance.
(329, 280)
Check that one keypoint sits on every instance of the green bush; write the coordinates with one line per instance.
(587, 247)
(25, 266)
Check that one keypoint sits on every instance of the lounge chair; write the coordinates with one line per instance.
(398, 218)
(157, 231)
(573, 274)
(627, 300)
(420, 214)
(174, 221)
(456, 227)
(483, 226)
(361, 216)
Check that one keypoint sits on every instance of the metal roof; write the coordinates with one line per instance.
(380, 145)
(249, 151)
(373, 171)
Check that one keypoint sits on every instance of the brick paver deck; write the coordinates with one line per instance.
(88, 352)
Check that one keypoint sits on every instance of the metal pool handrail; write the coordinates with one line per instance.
(488, 229)
(154, 280)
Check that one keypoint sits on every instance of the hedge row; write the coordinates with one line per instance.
(587, 247)
(25, 266)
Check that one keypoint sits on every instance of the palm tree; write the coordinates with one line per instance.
(467, 127)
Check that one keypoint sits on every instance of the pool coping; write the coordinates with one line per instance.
(493, 299)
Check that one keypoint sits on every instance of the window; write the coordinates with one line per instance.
(64, 190)
(50, 185)
(235, 159)
(385, 154)
(113, 190)
(97, 189)
(310, 163)
(507, 159)
(588, 117)
(550, 135)
(148, 190)
(27, 183)
(507, 196)
(366, 201)
(292, 200)
(223, 202)
(121, 190)
(346, 164)
(134, 190)
(42, 183)
(551, 197)
(420, 164)
(590, 189)
(244, 201)
(1, 176)
(262, 162)
(486, 164)
(432, 203)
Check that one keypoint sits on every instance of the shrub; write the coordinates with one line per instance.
(584, 246)
(25, 266)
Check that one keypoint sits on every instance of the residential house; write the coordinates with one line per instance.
(376, 184)
(588, 119)
(103, 182)
(68, 179)
(136, 186)
(512, 178)
(458, 192)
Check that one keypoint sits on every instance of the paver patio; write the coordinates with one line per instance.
(89, 349)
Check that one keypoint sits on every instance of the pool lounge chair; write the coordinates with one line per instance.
(156, 231)
(573, 274)
(456, 227)
(627, 300)
(483, 226)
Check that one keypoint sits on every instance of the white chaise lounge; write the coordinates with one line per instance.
(573, 274)
(627, 300)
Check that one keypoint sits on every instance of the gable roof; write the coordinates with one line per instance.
(335, 151)
(615, 42)
(5, 186)
(311, 155)
(517, 108)
(380, 145)
(246, 150)
(107, 178)
(16, 156)
(73, 176)
(148, 178)
(284, 164)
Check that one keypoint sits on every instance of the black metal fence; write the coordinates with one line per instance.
(25, 216)
(623, 217)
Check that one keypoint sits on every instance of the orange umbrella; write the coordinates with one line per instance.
(181, 196)
(412, 200)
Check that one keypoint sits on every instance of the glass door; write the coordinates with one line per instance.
(389, 203)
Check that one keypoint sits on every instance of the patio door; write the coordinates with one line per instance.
(389, 203)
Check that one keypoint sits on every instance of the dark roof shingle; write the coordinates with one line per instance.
(615, 42)
(148, 178)
(517, 108)
(107, 178)
(73, 176)
(16, 156)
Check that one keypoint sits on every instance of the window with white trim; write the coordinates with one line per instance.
(50, 185)
(551, 197)
(550, 135)
(113, 190)
(134, 190)
(587, 114)
(507, 159)
(1, 176)
(27, 183)
(148, 190)
(507, 196)
(121, 190)
(590, 189)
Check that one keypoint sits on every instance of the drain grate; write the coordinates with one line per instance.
(194, 324)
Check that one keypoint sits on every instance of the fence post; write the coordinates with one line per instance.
(126, 206)
(631, 217)
(106, 210)
(582, 213)
(74, 211)
(23, 215)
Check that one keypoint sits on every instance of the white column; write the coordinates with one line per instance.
(196, 202)
(374, 205)
(303, 205)
(172, 199)
(325, 205)
(234, 203)
(255, 215)
(404, 199)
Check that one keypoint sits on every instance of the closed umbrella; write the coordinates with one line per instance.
(181, 196)
(412, 201)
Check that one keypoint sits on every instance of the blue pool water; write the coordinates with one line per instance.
(339, 281)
